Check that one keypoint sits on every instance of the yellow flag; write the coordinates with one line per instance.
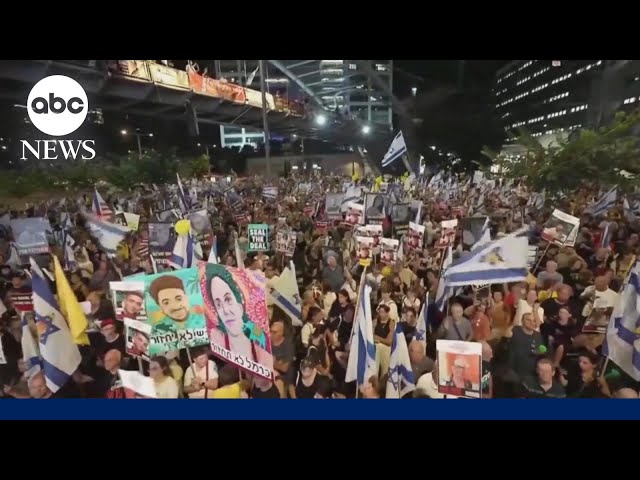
(69, 306)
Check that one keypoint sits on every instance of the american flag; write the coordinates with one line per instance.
(101, 208)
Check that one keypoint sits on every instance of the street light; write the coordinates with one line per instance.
(366, 129)
(321, 120)
(138, 135)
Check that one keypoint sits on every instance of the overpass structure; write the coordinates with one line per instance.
(149, 89)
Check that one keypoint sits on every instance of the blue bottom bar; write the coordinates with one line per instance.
(410, 409)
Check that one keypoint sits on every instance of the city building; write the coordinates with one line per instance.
(557, 97)
(356, 88)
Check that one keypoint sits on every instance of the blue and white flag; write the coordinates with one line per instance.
(286, 295)
(186, 252)
(500, 261)
(631, 211)
(421, 323)
(400, 381)
(622, 342)
(606, 236)
(213, 253)
(68, 244)
(485, 237)
(604, 204)
(30, 351)
(353, 194)
(443, 292)
(108, 235)
(362, 355)
(396, 150)
(185, 201)
(60, 355)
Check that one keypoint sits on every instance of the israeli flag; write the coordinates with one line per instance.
(500, 261)
(108, 235)
(30, 351)
(444, 293)
(421, 324)
(604, 204)
(213, 253)
(285, 294)
(362, 355)
(185, 201)
(622, 342)
(485, 237)
(60, 355)
(396, 150)
(186, 252)
(400, 381)
(69, 255)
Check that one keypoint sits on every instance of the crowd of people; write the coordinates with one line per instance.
(532, 333)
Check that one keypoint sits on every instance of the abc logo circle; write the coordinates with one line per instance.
(57, 105)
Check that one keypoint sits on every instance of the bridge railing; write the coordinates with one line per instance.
(146, 71)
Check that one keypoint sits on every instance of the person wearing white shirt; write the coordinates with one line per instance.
(427, 385)
(598, 295)
(201, 377)
(527, 306)
(163, 381)
(350, 286)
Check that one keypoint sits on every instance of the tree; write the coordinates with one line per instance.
(607, 156)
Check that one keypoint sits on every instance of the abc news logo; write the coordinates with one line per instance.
(58, 106)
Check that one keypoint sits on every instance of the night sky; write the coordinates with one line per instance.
(425, 74)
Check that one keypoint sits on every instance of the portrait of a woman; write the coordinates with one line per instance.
(236, 321)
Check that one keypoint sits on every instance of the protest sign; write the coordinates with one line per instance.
(237, 318)
(459, 368)
(258, 234)
(30, 235)
(175, 310)
(559, 227)
(161, 241)
(137, 338)
(128, 300)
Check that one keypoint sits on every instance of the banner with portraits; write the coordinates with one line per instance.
(375, 207)
(169, 216)
(128, 300)
(137, 340)
(459, 368)
(355, 214)
(415, 236)
(233, 199)
(332, 205)
(364, 247)
(286, 242)
(447, 233)
(237, 318)
(162, 238)
(30, 235)
(175, 310)
(561, 229)
(201, 226)
(389, 248)
(401, 215)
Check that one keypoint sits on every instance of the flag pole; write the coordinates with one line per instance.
(355, 316)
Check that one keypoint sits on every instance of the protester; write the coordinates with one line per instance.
(538, 335)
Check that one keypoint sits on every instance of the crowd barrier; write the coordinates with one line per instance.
(147, 71)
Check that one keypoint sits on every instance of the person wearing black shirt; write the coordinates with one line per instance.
(551, 306)
(263, 388)
(310, 382)
(584, 381)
